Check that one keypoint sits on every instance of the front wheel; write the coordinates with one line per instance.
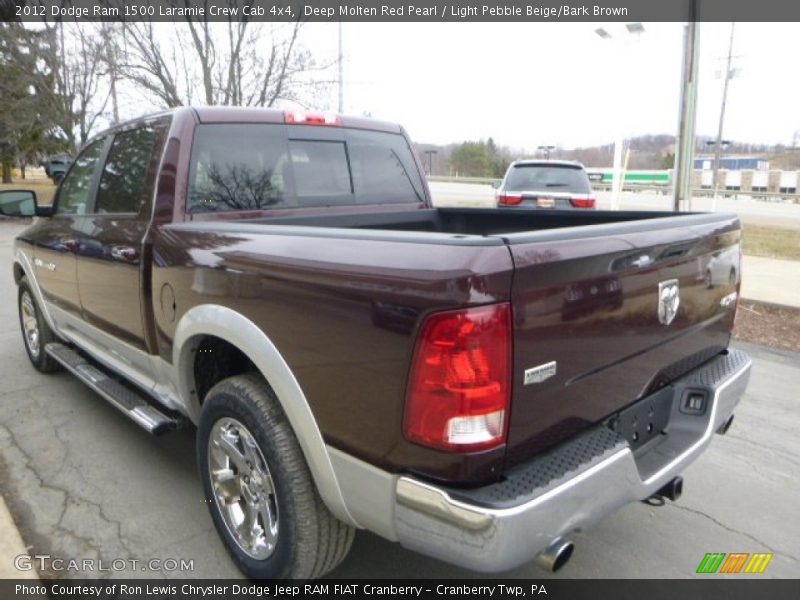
(36, 333)
(262, 498)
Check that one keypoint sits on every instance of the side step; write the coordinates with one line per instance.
(133, 405)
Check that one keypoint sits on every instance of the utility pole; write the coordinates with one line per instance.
(341, 72)
(718, 148)
(684, 147)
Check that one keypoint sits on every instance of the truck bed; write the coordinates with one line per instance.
(491, 222)
(584, 289)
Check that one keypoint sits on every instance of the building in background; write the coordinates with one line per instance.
(732, 163)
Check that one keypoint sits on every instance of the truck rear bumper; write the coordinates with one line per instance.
(499, 527)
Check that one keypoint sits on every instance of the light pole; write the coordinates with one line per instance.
(430, 154)
(719, 144)
(616, 177)
(341, 71)
(546, 151)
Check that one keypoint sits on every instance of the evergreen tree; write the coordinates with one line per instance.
(26, 95)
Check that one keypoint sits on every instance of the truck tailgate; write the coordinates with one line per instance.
(588, 300)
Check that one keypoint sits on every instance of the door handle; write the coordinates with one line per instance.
(124, 253)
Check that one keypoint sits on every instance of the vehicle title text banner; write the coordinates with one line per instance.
(388, 11)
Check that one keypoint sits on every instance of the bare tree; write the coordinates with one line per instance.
(238, 63)
(111, 47)
(78, 59)
(149, 63)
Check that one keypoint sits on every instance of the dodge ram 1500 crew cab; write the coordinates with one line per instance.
(473, 384)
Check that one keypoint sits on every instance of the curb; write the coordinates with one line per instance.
(774, 305)
(11, 545)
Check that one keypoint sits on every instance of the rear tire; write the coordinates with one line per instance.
(36, 333)
(260, 492)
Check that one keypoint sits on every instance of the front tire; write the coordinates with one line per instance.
(262, 498)
(36, 333)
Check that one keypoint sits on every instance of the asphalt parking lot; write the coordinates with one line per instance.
(84, 482)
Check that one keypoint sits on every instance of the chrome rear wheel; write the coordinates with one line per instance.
(243, 488)
(259, 488)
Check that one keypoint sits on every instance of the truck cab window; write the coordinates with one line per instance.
(73, 196)
(236, 167)
(257, 166)
(320, 168)
(383, 167)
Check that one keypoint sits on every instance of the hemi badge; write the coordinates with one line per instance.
(45, 265)
(540, 373)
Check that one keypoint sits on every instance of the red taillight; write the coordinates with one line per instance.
(509, 199)
(459, 386)
(311, 118)
(583, 202)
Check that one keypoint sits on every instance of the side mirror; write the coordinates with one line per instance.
(496, 183)
(22, 203)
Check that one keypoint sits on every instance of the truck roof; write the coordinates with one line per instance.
(249, 114)
(245, 114)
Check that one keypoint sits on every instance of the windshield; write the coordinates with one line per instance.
(548, 178)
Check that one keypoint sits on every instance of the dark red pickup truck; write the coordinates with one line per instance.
(474, 384)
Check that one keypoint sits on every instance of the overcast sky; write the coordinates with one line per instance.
(529, 84)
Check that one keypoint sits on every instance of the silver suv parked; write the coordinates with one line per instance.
(545, 184)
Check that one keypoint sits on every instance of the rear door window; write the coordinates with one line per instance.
(122, 183)
(548, 178)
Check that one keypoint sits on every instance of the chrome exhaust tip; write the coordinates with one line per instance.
(673, 490)
(556, 555)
